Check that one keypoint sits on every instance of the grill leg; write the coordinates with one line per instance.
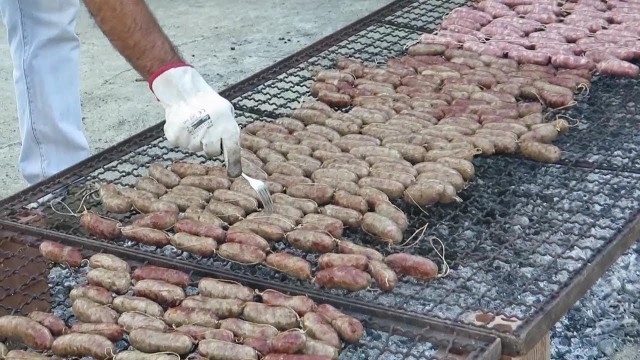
(542, 351)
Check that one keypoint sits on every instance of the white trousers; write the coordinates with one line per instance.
(45, 52)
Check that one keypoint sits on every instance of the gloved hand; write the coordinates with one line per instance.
(197, 117)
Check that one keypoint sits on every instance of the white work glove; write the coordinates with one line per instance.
(197, 117)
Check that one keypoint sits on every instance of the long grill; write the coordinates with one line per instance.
(527, 241)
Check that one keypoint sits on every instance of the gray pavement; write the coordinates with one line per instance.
(228, 41)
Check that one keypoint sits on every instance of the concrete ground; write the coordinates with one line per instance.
(226, 40)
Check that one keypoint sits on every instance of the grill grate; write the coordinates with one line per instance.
(525, 244)
(46, 288)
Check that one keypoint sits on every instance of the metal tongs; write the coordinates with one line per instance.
(233, 161)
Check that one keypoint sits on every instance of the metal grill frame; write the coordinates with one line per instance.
(481, 347)
(513, 345)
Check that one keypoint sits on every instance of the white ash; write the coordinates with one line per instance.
(606, 318)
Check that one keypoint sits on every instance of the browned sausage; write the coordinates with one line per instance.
(280, 317)
(55, 325)
(133, 320)
(117, 281)
(172, 276)
(222, 308)
(90, 312)
(154, 341)
(384, 276)
(241, 253)
(311, 241)
(318, 328)
(267, 231)
(128, 303)
(222, 350)
(113, 332)
(224, 289)
(200, 228)
(147, 236)
(301, 304)
(61, 254)
(349, 328)
(330, 260)
(96, 294)
(159, 291)
(343, 277)
(179, 315)
(26, 331)
(198, 333)
(321, 222)
(161, 220)
(382, 227)
(109, 262)
(412, 265)
(100, 227)
(348, 247)
(242, 328)
(81, 345)
(289, 264)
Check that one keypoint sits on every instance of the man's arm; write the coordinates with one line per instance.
(135, 33)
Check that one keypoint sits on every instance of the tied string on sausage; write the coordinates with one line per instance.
(280, 216)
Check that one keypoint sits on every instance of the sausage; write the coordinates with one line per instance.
(306, 163)
(199, 245)
(199, 333)
(348, 247)
(343, 277)
(147, 236)
(387, 209)
(267, 231)
(330, 260)
(199, 228)
(228, 212)
(349, 328)
(248, 238)
(159, 291)
(289, 264)
(348, 217)
(90, 312)
(100, 227)
(277, 356)
(152, 272)
(154, 341)
(336, 173)
(372, 195)
(318, 328)
(146, 205)
(541, 152)
(149, 184)
(365, 151)
(382, 227)
(162, 175)
(383, 275)
(311, 241)
(191, 191)
(321, 222)
(324, 131)
(283, 222)
(287, 342)
(256, 126)
(307, 206)
(318, 348)
(139, 355)
(246, 329)
(222, 308)
(338, 184)
(347, 200)
(309, 116)
(403, 178)
(223, 289)
(393, 189)
(96, 294)
(55, 325)
(134, 320)
(113, 332)
(616, 67)
(321, 194)
(109, 262)
(116, 281)
(222, 350)
(280, 317)
(448, 176)
(241, 253)
(291, 124)
(463, 166)
(289, 211)
(113, 201)
(156, 220)
(27, 331)
(210, 183)
(128, 303)
(81, 345)
(301, 304)
(179, 315)
(61, 254)
(412, 265)
(25, 355)
(184, 169)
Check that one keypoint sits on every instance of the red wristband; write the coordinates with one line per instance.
(163, 69)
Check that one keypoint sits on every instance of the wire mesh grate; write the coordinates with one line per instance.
(423, 15)
(47, 287)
